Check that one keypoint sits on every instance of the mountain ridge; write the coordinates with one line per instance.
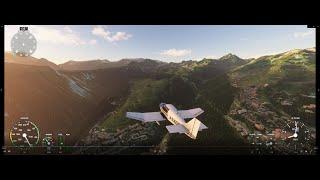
(100, 97)
(105, 63)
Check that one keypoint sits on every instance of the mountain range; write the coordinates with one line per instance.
(76, 96)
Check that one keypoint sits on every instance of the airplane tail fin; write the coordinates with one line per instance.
(193, 126)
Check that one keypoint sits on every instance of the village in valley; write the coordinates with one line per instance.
(136, 136)
(260, 123)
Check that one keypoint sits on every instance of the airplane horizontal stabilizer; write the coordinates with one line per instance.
(202, 126)
(176, 128)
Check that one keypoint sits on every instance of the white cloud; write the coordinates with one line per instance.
(63, 35)
(109, 36)
(57, 36)
(99, 31)
(68, 29)
(176, 52)
(93, 42)
(121, 36)
(211, 57)
(304, 34)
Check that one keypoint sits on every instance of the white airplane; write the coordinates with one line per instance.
(176, 117)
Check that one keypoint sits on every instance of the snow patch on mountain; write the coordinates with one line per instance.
(88, 76)
(77, 89)
(59, 74)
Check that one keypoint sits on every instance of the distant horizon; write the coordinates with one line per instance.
(166, 61)
(167, 43)
(103, 59)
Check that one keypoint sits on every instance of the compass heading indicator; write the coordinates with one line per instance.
(23, 43)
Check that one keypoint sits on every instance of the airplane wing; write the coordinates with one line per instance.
(191, 113)
(145, 117)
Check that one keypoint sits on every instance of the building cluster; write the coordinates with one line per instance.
(129, 136)
(309, 108)
(253, 119)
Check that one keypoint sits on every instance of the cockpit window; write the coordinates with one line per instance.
(164, 107)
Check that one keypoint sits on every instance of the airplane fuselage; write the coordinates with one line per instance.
(171, 114)
(174, 116)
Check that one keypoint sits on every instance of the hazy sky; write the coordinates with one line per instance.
(167, 43)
